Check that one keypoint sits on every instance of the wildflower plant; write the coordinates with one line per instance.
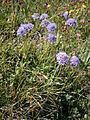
(51, 27)
(66, 15)
(45, 75)
(21, 31)
(45, 23)
(43, 16)
(24, 28)
(51, 38)
(74, 61)
(71, 22)
(62, 58)
(35, 16)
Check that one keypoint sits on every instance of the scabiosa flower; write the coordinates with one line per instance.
(62, 58)
(51, 27)
(66, 15)
(36, 16)
(74, 61)
(43, 16)
(21, 31)
(45, 23)
(28, 26)
(71, 22)
(24, 28)
(51, 38)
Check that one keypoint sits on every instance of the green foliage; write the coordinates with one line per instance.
(85, 53)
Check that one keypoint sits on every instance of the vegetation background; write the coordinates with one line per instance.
(32, 85)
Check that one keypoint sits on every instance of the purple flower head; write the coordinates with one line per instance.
(36, 16)
(66, 15)
(51, 38)
(51, 27)
(28, 26)
(45, 23)
(74, 61)
(21, 31)
(43, 16)
(24, 28)
(71, 22)
(62, 58)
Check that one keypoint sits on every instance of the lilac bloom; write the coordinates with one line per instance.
(66, 15)
(24, 28)
(51, 38)
(74, 61)
(36, 16)
(45, 23)
(43, 16)
(28, 26)
(21, 31)
(71, 22)
(62, 58)
(51, 27)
